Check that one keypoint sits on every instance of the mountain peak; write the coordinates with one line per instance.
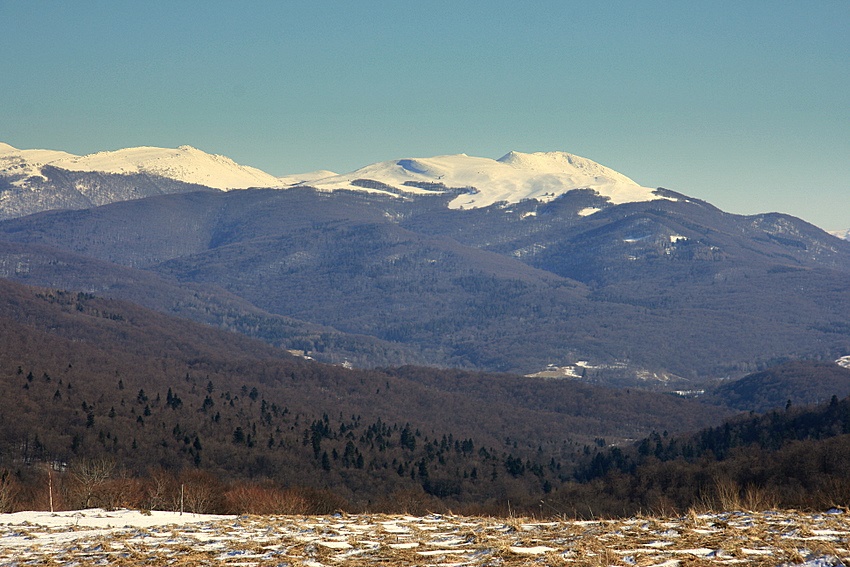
(514, 177)
(562, 162)
(185, 163)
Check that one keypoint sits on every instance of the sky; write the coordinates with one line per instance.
(743, 104)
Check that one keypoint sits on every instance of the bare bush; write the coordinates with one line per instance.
(834, 492)
(9, 491)
(757, 499)
(89, 477)
(121, 492)
(264, 499)
(728, 496)
(202, 492)
(323, 501)
(161, 490)
(409, 501)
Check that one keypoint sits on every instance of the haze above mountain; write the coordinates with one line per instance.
(533, 262)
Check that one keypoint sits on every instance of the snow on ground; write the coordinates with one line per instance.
(130, 538)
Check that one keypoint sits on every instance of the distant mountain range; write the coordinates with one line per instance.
(36, 180)
(533, 262)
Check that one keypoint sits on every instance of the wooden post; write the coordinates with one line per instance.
(182, 486)
(50, 484)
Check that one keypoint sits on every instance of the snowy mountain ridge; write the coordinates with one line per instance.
(185, 163)
(515, 177)
(476, 182)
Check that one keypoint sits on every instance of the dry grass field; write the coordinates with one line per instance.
(132, 538)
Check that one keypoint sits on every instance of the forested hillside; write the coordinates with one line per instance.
(797, 382)
(89, 380)
(796, 457)
(650, 294)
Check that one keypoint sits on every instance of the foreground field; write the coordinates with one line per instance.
(129, 538)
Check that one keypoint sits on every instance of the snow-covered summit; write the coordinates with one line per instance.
(472, 181)
(514, 177)
(561, 162)
(185, 163)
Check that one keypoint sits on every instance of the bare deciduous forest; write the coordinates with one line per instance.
(107, 404)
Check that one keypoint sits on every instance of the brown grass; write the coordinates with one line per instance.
(694, 539)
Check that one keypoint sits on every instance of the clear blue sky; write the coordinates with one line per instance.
(744, 104)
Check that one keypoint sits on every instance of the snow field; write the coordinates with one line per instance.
(131, 538)
(542, 176)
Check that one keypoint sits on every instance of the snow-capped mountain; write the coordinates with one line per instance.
(583, 264)
(36, 180)
(33, 181)
(186, 164)
(481, 182)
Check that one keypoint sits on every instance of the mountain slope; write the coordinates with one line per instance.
(647, 290)
(796, 383)
(210, 304)
(55, 188)
(89, 379)
(794, 459)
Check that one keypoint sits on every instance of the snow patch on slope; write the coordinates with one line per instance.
(483, 182)
(304, 178)
(845, 234)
